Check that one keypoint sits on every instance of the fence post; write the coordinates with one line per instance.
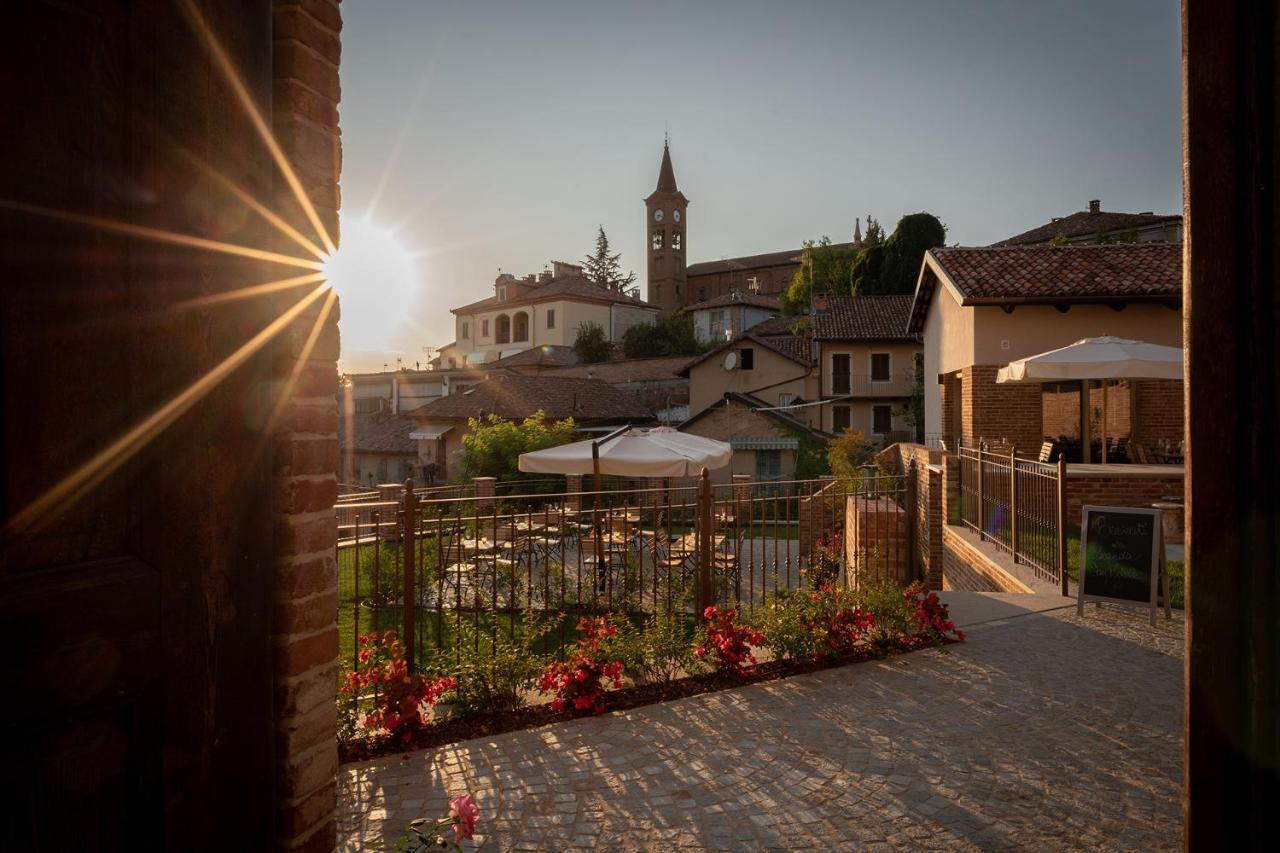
(1013, 501)
(573, 492)
(913, 496)
(706, 540)
(409, 548)
(1062, 520)
(486, 488)
(982, 509)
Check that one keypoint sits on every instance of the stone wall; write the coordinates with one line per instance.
(306, 50)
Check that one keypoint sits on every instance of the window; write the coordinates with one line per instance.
(551, 318)
(879, 367)
(656, 241)
(768, 464)
(839, 419)
(502, 292)
(840, 374)
(882, 419)
(520, 327)
(502, 328)
(746, 358)
(717, 325)
(466, 331)
(785, 399)
(675, 240)
(484, 328)
(702, 293)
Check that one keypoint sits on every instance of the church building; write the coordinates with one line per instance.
(675, 284)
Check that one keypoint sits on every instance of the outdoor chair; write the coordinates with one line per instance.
(1046, 452)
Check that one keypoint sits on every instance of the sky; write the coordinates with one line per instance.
(485, 136)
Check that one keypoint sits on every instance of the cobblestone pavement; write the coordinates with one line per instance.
(1042, 731)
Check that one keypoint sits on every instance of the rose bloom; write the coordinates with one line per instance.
(464, 813)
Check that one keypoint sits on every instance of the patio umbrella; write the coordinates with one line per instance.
(632, 452)
(1104, 358)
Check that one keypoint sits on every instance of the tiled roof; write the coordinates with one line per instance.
(779, 326)
(1053, 275)
(864, 318)
(516, 396)
(378, 433)
(760, 407)
(1086, 224)
(545, 356)
(746, 262)
(564, 287)
(789, 347)
(754, 300)
(631, 370)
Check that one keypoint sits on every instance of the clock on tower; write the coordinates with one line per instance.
(666, 221)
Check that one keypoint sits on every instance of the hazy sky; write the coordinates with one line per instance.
(522, 126)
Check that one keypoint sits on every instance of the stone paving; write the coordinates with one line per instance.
(1042, 731)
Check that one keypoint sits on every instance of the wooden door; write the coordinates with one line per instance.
(136, 659)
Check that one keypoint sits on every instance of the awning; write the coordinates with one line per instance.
(429, 432)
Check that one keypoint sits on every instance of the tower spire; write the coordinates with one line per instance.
(666, 174)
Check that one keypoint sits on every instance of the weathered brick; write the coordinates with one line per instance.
(298, 695)
(307, 577)
(301, 768)
(324, 11)
(310, 418)
(301, 456)
(294, 60)
(306, 102)
(297, 655)
(322, 839)
(308, 494)
(294, 23)
(311, 614)
(297, 819)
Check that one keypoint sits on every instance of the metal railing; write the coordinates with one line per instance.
(440, 569)
(864, 385)
(1018, 504)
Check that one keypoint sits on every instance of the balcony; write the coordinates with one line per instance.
(862, 385)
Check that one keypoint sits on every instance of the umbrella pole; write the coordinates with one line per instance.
(1086, 415)
(1104, 421)
(595, 513)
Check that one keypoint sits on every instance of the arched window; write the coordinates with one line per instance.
(502, 330)
(521, 329)
(656, 240)
(675, 240)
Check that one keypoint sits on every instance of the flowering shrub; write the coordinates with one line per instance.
(397, 696)
(824, 559)
(727, 643)
(493, 670)
(428, 834)
(932, 616)
(660, 651)
(579, 682)
(806, 624)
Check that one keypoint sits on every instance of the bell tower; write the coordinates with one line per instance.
(666, 230)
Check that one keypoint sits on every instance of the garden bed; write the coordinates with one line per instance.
(632, 696)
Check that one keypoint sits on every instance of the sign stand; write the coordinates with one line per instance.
(1122, 558)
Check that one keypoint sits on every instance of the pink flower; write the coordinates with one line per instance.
(464, 813)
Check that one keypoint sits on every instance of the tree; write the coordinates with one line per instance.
(913, 409)
(494, 445)
(670, 335)
(606, 269)
(847, 453)
(824, 268)
(904, 251)
(591, 345)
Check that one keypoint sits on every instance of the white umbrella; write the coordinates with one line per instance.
(1097, 358)
(1103, 358)
(632, 452)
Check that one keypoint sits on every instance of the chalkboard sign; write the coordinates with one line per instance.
(1121, 555)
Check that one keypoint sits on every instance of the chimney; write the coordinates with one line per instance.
(1094, 205)
(819, 303)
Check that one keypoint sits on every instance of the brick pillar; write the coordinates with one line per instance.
(485, 490)
(742, 506)
(995, 412)
(573, 487)
(304, 120)
(931, 500)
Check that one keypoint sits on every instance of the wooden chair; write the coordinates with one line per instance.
(1046, 452)
(1140, 453)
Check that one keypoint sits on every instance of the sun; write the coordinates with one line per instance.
(375, 278)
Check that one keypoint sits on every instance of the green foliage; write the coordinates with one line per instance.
(913, 409)
(591, 344)
(605, 269)
(883, 599)
(904, 251)
(660, 650)
(847, 453)
(494, 671)
(671, 335)
(824, 268)
(785, 619)
(1059, 239)
(494, 445)
(867, 271)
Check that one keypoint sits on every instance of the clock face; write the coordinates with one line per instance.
(675, 214)
(657, 216)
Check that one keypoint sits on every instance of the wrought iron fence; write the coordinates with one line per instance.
(1019, 504)
(468, 565)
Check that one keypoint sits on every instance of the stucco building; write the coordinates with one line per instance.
(1096, 225)
(981, 308)
(541, 310)
(725, 317)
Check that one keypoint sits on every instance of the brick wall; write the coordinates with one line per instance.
(876, 543)
(1160, 412)
(305, 51)
(930, 504)
(1060, 411)
(1119, 490)
(964, 567)
(996, 413)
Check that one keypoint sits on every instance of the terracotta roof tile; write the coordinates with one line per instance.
(754, 300)
(630, 370)
(768, 259)
(864, 318)
(516, 396)
(546, 356)
(378, 433)
(1086, 224)
(564, 287)
(1053, 275)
